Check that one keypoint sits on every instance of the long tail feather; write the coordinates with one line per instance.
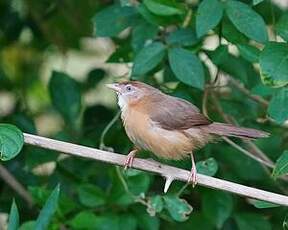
(231, 130)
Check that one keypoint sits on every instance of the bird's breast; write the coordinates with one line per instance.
(146, 134)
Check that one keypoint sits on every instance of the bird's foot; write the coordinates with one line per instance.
(129, 160)
(193, 177)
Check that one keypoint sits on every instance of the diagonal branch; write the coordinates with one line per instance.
(154, 167)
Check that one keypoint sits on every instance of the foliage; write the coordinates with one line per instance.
(188, 49)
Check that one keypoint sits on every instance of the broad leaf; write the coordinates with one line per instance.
(274, 64)
(248, 52)
(281, 167)
(178, 208)
(13, 223)
(29, 225)
(11, 141)
(163, 7)
(84, 220)
(252, 221)
(183, 37)
(114, 19)
(282, 26)
(246, 20)
(217, 207)
(91, 196)
(65, 95)
(208, 16)
(48, 210)
(187, 67)
(231, 34)
(142, 33)
(148, 58)
(208, 167)
(278, 108)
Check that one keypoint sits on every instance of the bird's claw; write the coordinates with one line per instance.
(129, 160)
(193, 178)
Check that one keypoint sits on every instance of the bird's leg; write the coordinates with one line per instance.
(193, 173)
(130, 158)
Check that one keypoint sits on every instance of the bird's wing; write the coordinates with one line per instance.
(173, 113)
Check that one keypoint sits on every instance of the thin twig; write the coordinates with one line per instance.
(245, 91)
(154, 167)
(247, 153)
(16, 185)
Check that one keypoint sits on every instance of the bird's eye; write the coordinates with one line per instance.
(128, 88)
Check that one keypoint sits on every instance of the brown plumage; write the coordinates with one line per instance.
(170, 127)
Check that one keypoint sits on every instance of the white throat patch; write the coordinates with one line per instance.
(122, 103)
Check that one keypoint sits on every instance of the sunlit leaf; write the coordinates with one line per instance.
(11, 141)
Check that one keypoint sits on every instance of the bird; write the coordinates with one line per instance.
(170, 127)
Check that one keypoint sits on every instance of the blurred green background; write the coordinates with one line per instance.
(55, 58)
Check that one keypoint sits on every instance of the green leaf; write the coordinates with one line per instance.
(29, 225)
(187, 67)
(263, 204)
(118, 18)
(48, 210)
(127, 222)
(256, 2)
(84, 220)
(183, 37)
(278, 108)
(163, 7)
(217, 207)
(178, 208)
(282, 26)
(148, 58)
(248, 52)
(246, 20)
(91, 196)
(208, 16)
(252, 221)
(208, 167)
(138, 183)
(274, 64)
(13, 217)
(281, 167)
(231, 34)
(155, 205)
(11, 141)
(142, 33)
(65, 95)
(147, 222)
(229, 63)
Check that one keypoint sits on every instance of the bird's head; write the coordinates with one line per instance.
(131, 92)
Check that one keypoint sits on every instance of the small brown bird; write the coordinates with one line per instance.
(170, 127)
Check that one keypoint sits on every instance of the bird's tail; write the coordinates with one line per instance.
(222, 129)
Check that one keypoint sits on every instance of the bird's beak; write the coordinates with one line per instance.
(114, 87)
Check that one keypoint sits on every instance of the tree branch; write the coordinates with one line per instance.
(154, 167)
(16, 185)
